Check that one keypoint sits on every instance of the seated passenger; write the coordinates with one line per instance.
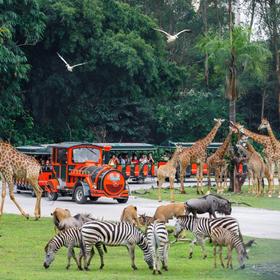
(134, 159)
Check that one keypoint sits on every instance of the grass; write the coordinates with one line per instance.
(272, 203)
(22, 253)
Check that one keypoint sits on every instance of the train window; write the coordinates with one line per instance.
(61, 156)
(81, 155)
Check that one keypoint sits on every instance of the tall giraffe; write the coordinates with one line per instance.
(276, 147)
(168, 171)
(217, 163)
(15, 166)
(268, 149)
(197, 154)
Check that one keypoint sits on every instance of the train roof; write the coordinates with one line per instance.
(35, 149)
(129, 146)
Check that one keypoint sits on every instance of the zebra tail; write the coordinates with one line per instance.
(82, 247)
(250, 243)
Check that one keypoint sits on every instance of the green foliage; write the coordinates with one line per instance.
(21, 23)
(134, 87)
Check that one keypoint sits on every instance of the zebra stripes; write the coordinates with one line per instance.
(158, 240)
(69, 238)
(116, 234)
(201, 228)
(221, 236)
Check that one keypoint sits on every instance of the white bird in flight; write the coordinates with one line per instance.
(172, 38)
(69, 67)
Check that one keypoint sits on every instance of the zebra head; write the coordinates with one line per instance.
(144, 245)
(242, 255)
(180, 225)
(50, 254)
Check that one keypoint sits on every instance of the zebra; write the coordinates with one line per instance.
(201, 228)
(69, 238)
(115, 234)
(221, 236)
(158, 240)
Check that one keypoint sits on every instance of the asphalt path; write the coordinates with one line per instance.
(254, 222)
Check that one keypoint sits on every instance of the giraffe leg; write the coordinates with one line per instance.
(278, 175)
(200, 178)
(3, 195)
(183, 167)
(38, 191)
(171, 180)
(160, 182)
(9, 180)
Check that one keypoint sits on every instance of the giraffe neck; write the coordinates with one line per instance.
(256, 137)
(222, 149)
(174, 158)
(250, 148)
(210, 136)
(273, 139)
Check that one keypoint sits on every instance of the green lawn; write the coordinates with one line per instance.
(264, 201)
(22, 253)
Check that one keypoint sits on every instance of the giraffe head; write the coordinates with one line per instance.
(219, 121)
(179, 149)
(236, 127)
(264, 124)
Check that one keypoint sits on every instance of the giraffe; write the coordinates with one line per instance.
(15, 166)
(255, 165)
(168, 171)
(217, 164)
(276, 147)
(268, 149)
(197, 153)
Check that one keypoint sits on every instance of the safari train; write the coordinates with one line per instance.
(77, 170)
(81, 170)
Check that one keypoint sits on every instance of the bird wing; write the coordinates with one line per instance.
(185, 30)
(167, 34)
(63, 59)
(79, 64)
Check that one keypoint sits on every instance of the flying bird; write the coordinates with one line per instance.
(172, 38)
(69, 67)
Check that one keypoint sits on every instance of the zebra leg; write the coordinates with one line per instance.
(158, 261)
(100, 252)
(131, 250)
(229, 262)
(92, 253)
(191, 248)
(89, 252)
(200, 241)
(215, 254)
(164, 257)
(221, 256)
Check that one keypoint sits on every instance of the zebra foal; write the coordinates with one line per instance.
(202, 227)
(115, 234)
(158, 240)
(70, 239)
(221, 236)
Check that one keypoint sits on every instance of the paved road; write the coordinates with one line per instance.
(253, 222)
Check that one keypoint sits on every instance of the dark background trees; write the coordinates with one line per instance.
(135, 87)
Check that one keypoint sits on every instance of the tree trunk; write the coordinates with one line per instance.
(263, 101)
(205, 23)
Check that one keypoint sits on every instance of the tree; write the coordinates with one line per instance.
(21, 24)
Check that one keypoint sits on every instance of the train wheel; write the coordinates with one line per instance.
(79, 196)
(52, 196)
(122, 200)
(93, 198)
